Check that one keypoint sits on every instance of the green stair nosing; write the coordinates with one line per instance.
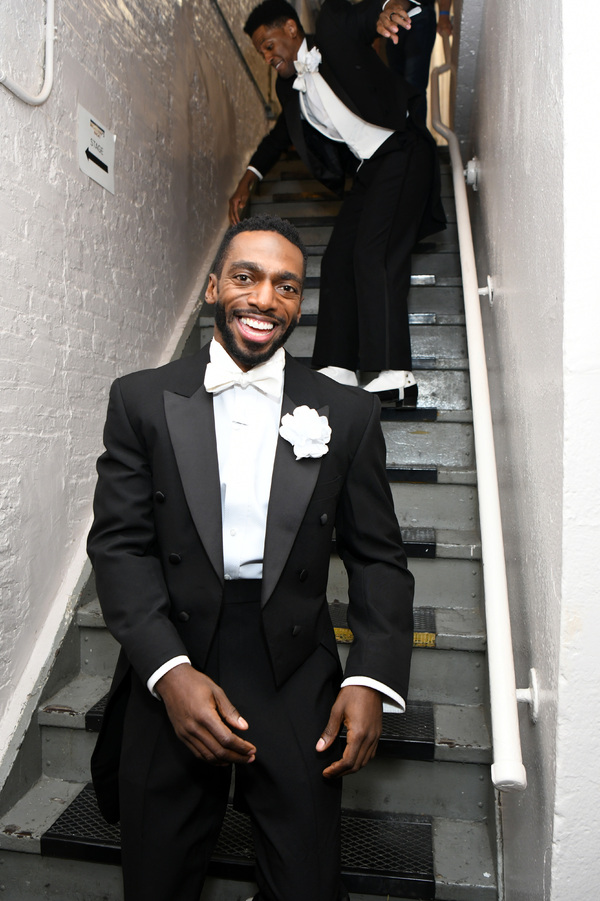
(397, 851)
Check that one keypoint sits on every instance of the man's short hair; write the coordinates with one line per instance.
(260, 224)
(271, 12)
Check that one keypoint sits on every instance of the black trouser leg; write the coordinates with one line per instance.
(365, 273)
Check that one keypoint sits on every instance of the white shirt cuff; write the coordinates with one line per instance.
(256, 172)
(416, 3)
(160, 672)
(395, 702)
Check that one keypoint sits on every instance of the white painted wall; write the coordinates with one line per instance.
(94, 285)
(576, 863)
(536, 231)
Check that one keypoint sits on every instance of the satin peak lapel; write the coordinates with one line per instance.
(191, 425)
(292, 487)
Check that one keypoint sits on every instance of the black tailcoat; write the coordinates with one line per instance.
(156, 541)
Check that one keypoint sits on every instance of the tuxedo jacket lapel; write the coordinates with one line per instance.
(190, 422)
(191, 427)
(292, 487)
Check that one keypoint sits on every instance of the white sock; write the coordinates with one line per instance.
(391, 378)
(343, 376)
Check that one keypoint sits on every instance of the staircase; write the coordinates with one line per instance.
(419, 821)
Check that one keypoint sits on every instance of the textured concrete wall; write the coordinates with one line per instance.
(94, 284)
(519, 216)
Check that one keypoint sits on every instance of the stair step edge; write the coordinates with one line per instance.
(24, 824)
(69, 706)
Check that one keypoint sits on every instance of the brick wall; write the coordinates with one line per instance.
(93, 285)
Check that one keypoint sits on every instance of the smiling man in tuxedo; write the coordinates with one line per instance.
(343, 110)
(223, 478)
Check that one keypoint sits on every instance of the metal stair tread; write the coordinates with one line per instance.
(458, 544)
(406, 855)
(90, 616)
(381, 853)
(69, 706)
(435, 627)
(464, 865)
(425, 732)
(37, 810)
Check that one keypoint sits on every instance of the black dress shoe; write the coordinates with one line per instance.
(392, 396)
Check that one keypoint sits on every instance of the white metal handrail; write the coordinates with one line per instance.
(508, 772)
(21, 93)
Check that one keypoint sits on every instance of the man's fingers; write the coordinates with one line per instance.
(215, 743)
(356, 755)
(228, 712)
(331, 730)
(201, 714)
(360, 709)
(234, 216)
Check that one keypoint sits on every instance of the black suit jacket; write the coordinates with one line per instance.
(156, 542)
(344, 35)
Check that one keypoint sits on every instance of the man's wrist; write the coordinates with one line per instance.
(163, 670)
(390, 696)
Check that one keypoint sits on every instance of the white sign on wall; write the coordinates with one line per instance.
(96, 150)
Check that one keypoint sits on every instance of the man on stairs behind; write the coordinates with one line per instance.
(343, 109)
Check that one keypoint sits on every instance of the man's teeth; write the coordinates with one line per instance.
(259, 324)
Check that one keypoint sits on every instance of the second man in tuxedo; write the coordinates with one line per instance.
(343, 109)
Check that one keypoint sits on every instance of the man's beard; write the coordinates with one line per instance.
(240, 354)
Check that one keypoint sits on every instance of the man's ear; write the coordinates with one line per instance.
(291, 28)
(212, 292)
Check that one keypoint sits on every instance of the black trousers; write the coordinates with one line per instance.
(172, 805)
(365, 272)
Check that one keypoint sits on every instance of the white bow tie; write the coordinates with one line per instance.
(307, 62)
(267, 377)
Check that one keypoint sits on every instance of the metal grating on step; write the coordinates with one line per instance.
(93, 718)
(409, 735)
(415, 725)
(390, 854)
(392, 413)
(424, 625)
(413, 473)
(81, 833)
(417, 542)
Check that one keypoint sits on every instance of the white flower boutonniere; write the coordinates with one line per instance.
(306, 431)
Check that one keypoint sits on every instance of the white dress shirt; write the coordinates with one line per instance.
(247, 428)
(323, 109)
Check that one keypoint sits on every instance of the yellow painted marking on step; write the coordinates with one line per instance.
(344, 636)
(420, 639)
(424, 640)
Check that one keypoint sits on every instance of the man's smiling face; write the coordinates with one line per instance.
(278, 45)
(257, 296)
